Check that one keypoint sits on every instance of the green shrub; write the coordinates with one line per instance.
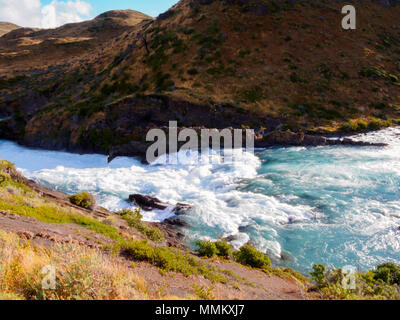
(379, 73)
(362, 125)
(5, 165)
(169, 259)
(5, 179)
(204, 293)
(375, 124)
(248, 255)
(211, 249)
(224, 248)
(389, 273)
(318, 275)
(84, 200)
(134, 219)
(206, 248)
(382, 283)
(252, 95)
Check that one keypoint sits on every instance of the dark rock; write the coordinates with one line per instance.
(147, 203)
(180, 236)
(231, 238)
(244, 228)
(176, 222)
(181, 209)
(350, 142)
(287, 138)
(26, 235)
(132, 149)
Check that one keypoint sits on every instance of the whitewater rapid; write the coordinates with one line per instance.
(334, 205)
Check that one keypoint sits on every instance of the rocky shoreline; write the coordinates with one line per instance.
(261, 140)
(170, 227)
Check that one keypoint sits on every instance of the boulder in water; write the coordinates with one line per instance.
(147, 203)
(181, 209)
(176, 222)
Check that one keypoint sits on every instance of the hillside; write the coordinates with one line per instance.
(6, 27)
(263, 64)
(28, 49)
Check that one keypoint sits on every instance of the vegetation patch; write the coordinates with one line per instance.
(252, 95)
(26, 203)
(211, 249)
(170, 260)
(378, 284)
(81, 273)
(134, 219)
(84, 200)
(375, 72)
(362, 125)
(250, 256)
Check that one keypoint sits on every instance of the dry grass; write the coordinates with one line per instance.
(81, 273)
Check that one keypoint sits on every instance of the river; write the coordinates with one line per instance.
(334, 205)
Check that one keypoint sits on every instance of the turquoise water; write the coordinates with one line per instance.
(334, 205)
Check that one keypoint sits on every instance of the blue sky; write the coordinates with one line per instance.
(54, 13)
(151, 7)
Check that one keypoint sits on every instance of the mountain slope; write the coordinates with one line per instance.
(221, 63)
(6, 27)
(27, 48)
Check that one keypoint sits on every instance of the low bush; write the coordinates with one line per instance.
(378, 73)
(318, 274)
(378, 284)
(211, 249)
(224, 248)
(362, 125)
(206, 248)
(169, 259)
(134, 219)
(389, 273)
(250, 256)
(252, 95)
(5, 179)
(84, 200)
(5, 165)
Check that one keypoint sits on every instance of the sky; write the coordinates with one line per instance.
(54, 13)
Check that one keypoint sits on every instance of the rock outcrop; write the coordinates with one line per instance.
(287, 138)
(148, 203)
